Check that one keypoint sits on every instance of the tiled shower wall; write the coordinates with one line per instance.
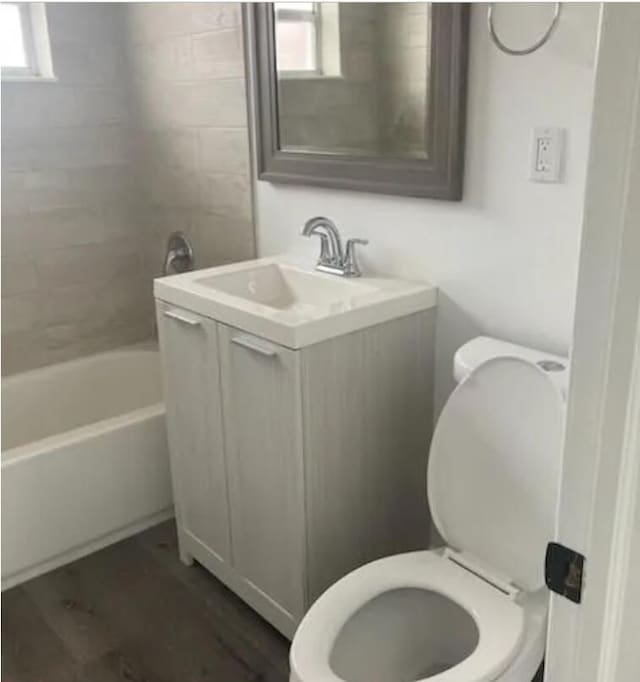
(71, 247)
(192, 149)
(144, 132)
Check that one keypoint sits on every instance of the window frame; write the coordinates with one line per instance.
(37, 48)
(312, 17)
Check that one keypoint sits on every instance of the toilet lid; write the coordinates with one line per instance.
(494, 468)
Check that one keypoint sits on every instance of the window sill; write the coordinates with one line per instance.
(28, 79)
(300, 76)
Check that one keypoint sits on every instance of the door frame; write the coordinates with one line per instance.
(599, 508)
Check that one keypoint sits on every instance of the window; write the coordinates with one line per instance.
(297, 37)
(24, 41)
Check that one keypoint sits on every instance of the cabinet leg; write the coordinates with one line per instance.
(186, 558)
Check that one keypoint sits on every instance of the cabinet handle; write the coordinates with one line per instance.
(181, 317)
(255, 345)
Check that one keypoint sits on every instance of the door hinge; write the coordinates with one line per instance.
(564, 571)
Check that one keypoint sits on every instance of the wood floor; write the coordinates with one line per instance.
(133, 612)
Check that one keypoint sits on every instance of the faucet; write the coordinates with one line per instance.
(332, 258)
(179, 254)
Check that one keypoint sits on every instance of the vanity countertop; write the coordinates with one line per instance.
(288, 304)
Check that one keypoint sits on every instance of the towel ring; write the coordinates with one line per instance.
(527, 50)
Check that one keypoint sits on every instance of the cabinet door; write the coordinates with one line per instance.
(189, 347)
(262, 412)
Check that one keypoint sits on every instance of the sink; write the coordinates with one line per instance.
(289, 304)
(284, 288)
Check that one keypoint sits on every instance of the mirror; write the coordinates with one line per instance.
(353, 78)
(364, 96)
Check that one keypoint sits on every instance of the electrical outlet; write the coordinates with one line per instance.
(547, 154)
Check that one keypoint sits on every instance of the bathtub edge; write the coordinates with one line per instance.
(80, 551)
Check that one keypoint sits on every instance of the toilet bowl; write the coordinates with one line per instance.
(476, 610)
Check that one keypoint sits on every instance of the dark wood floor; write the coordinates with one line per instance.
(133, 612)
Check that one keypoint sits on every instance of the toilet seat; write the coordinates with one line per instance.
(499, 619)
(493, 474)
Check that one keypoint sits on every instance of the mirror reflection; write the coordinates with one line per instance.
(353, 78)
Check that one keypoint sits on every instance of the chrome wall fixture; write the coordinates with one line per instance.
(179, 256)
(527, 50)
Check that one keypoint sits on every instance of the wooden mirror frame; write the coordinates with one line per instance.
(437, 177)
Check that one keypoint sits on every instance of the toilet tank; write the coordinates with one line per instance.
(483, 348)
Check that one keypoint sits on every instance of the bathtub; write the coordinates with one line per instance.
(84, 459)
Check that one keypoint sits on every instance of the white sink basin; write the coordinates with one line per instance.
(284, 288)
(290, 305)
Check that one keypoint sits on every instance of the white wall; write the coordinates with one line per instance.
(505, 258)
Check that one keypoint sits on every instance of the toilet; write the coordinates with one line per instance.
(476, 610)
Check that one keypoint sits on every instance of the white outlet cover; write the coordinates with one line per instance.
(547, 154)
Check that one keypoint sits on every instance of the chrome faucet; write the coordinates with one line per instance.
(332, 258)
(179, 256)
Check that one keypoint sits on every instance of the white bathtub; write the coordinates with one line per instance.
(84, 459)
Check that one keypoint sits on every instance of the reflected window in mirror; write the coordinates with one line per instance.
(297, 38)
(307, 39)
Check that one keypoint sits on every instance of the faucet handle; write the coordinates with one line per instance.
(179, 256)
(350, 266)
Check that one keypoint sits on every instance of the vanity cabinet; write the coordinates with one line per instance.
(263, 443)
(194, 415)
(292, 467)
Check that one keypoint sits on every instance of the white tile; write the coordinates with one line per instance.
(225, 150)
(18, 276)
(86, 264)
(227, 195)
(64, 227)
(62, 305)
(208, 103)
(218, 54)
(14, 192)
(19, 313)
